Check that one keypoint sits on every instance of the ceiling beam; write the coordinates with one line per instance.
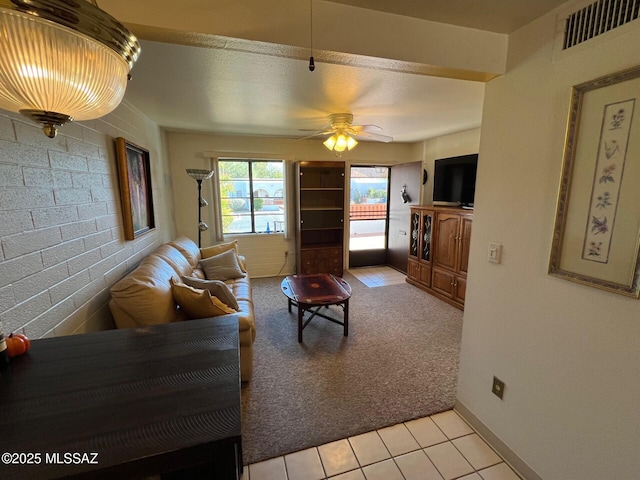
(342, 34)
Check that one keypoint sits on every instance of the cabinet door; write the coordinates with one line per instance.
(318, 176)
(465, 241)
(425, 275)
(414, 245)
(443, 282)
(426, 223)
(321, 219)
(460, 291)
(413, 270)
(448, 226)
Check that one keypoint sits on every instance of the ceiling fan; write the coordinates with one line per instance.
(343, 133)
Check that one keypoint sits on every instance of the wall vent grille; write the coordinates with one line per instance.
(597, 18)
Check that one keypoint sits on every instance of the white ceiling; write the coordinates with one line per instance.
(254, 92)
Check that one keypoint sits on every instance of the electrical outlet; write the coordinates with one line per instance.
(498, 387)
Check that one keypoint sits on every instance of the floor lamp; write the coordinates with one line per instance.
(199, 176)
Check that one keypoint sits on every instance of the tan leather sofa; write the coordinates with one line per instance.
(144, 296)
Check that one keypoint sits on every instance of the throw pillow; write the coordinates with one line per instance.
(218, 249)
(216, 287)
(222, 267)
(197, 303)
(214, 250)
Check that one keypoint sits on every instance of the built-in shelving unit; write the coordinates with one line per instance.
(320, 233)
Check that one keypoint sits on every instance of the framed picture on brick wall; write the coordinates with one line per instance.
(134, 173)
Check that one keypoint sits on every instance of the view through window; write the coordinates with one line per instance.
(252, 195)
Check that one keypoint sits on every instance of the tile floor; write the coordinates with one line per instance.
(439, 447)
(378, 276)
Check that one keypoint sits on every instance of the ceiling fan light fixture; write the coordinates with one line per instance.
(331, 141)
(340, 141)
(62, 60)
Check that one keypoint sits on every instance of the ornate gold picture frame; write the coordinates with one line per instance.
(596, 237)
(134, 173)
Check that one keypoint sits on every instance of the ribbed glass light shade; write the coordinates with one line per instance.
(74, 76)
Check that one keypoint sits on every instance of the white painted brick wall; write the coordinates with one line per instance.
(13, 270)
(30, 241)
(6, 298)
(61, 239)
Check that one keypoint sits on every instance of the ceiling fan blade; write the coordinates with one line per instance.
(325, 128)
(367, 128)
(316, 133)
(342, 122)
(373, 136)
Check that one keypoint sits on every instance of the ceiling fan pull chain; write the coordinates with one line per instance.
(312, 66)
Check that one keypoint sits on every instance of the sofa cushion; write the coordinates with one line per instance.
(241, 289)
(175, 258)
(216, 287)
(188, 248)
(145, 294)
(223, 267)
(197, 303)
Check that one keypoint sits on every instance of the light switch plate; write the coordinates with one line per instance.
(495, 252)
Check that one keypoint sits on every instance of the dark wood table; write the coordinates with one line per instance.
(125, 404)
(312, 292)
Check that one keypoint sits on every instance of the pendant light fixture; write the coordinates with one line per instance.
(62, 60)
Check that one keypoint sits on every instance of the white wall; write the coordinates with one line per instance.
(569, 354)
(265, 253)
(61, 222)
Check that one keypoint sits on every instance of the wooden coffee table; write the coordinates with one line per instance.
(125, 404)
(310, 293)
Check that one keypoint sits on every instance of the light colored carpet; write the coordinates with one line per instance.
(399, 362)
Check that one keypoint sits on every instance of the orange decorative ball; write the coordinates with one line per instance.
(15, 346)
(24, 338)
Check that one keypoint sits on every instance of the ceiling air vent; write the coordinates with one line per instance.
(597, 18)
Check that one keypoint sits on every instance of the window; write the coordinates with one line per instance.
(251, 194)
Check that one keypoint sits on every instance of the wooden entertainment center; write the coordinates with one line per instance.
(439, 251)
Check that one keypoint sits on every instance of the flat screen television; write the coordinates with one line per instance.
(454, 180)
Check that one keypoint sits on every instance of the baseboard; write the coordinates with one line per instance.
(516, 463)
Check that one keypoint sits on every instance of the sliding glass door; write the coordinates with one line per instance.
(368, 216)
